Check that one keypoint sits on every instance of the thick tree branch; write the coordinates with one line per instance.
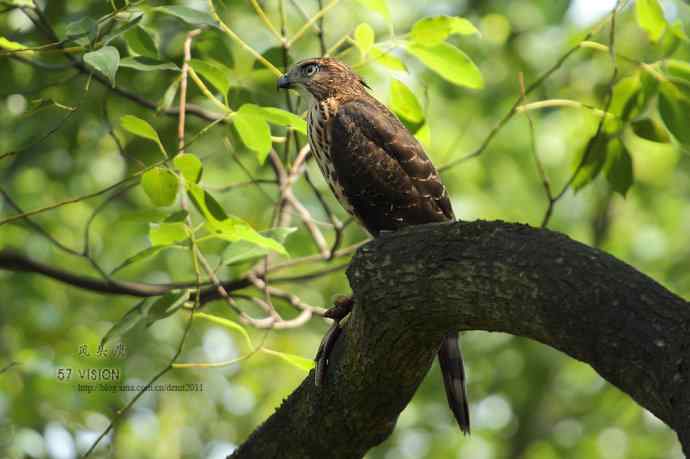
(411, 286)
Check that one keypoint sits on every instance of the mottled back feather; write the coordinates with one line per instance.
(385, 173)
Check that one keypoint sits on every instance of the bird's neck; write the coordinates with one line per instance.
(340, 94)
(323, 108)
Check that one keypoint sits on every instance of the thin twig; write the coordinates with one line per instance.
(600, 127)
(288, 197)
(87, 196)
(534, 85)
(267, 22)
(533, 143)
(228, 31)
(319, 14)
(183, 88)
(235, 186)
(320, 34)
(131, 403)
(35, 226)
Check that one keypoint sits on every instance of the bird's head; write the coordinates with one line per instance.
(322, 78)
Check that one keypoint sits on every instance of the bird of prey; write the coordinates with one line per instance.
(378, 172)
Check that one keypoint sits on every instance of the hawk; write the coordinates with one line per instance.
(378, 172)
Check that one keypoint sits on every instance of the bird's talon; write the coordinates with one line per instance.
(341, 308)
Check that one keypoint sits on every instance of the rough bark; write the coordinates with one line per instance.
(411, 286)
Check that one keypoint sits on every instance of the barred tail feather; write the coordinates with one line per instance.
(450, 358)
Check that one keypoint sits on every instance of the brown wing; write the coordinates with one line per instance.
(385, 174)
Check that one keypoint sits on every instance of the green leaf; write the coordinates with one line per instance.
(160, 186)
(386, 59)
(240, 251)
(127, 322)
(177, 216)
(677, 68)
(619, 167)
(377, 6)
(143, 255)
(40, 104)
(217, 74)
(449, 62)
(28, 3)
(167, 233)
(145, 309)
(254, 132)
(294, 360)
(624, 98)
(364, 38)
(593, 162)
(650, 16)
(649, 88)
(228, 228)
(13, 46)
(166, 305)
(84, 31)
(679, 73)
(121, 27)
(190, 167)
(141, 42)
(279, 117)
(404, 103)
(284, 118)
(140, 128)
(678, 31)
(434, 30)
(227, 323)
(423, 134)
(650, 129)
(235, 229)
(207, 206)
(169, 95)
(188, 15)
(674, 109)
(147, 64)
(105, 61)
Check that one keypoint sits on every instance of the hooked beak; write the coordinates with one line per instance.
(284, 82)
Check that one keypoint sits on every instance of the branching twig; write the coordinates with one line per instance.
(183, 87)
(14, 261)
(131, 403)
(600, 127)
(288, 197)
(507, 117)
(236, 38)
(535, 154)
(320, 32)
(319, 14)
(280, 36)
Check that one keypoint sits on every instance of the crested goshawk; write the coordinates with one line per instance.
(379, 173)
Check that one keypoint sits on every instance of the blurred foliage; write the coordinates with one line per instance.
(450, 70)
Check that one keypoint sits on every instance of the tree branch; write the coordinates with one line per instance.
(77, 63)
(411, 286)
(11, 260)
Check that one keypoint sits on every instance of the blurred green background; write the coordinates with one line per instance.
(62, 130)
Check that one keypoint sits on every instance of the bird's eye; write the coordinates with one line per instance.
(311, 69)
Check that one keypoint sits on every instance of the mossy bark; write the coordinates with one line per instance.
(412, 286)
